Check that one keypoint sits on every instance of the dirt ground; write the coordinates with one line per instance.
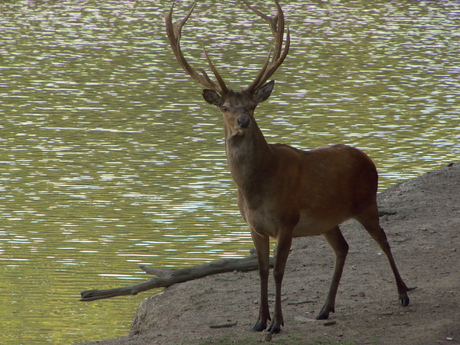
(423, 230)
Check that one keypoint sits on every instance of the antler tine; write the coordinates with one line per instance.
(220, 80)
(276, 24)
(271, 21)
(174, 32)
(278, 31)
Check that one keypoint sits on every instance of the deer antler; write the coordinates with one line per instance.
(174, 35)
(277, 27)
(270, 66)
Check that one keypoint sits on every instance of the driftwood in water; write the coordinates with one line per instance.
(166, 277)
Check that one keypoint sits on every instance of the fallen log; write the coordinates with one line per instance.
(166, 277)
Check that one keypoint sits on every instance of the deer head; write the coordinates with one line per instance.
(237, 107)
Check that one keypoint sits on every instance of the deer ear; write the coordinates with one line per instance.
(212, 97)
(264, 92)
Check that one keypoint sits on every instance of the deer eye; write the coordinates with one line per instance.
(223, 108)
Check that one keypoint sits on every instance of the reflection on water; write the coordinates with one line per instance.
(110, 159)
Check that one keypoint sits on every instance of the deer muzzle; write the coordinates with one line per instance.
(244, 121)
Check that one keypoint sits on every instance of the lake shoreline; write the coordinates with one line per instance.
(422, 229)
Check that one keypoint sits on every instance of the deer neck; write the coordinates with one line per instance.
(248, 156)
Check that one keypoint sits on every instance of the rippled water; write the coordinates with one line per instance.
(110, 158)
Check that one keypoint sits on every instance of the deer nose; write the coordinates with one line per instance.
(244, 121)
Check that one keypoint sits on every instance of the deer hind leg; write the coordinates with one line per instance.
(335, 238)
(371, 224)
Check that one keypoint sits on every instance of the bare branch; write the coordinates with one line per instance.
(167, 277)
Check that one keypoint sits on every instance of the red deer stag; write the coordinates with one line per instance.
(284, 192)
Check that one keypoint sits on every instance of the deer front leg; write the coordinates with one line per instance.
(282, 252)
(261, 243)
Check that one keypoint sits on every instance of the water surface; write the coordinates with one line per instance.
(111, 159)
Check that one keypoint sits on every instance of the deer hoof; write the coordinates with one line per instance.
(273, 330)
(404, 301)
(258, 328)
(322, 316)
(324, 313)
